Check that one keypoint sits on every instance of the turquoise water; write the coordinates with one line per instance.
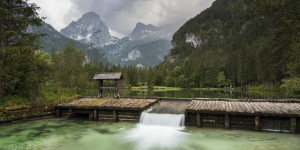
(64, 134)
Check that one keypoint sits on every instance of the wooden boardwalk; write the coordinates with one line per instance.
(265, 114)
(268, 115)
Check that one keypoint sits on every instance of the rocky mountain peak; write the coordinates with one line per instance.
(88, 29)
(142, 29)
(91, 14)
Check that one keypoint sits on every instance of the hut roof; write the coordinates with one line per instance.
(108, 76)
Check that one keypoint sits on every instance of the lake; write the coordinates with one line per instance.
(190, 93)
(79, 134)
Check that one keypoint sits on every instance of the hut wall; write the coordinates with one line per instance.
(280, 124)
(242, 122)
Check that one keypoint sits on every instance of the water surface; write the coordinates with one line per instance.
(189, 93)
(88, 135)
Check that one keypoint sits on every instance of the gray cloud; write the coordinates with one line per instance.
(121, 16)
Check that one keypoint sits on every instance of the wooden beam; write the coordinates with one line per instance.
(227, 122)
(116, 89)
(57, 112)
(115, 115)
(257, 124)
(71, 113)
(91, 116)
(107, 88)
(95, 115)
(199, 120)
(99, 88)
(293, 122)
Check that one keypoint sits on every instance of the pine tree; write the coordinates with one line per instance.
(22, 67)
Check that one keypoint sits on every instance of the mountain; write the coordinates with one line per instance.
(148, 54)
(53, 40)
(89, 29)
(235, 42)
(131, 50)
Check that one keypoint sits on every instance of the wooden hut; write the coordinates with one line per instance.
(117, 76)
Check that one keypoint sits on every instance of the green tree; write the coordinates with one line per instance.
(22, 67)
(150, 80)
(68, 65)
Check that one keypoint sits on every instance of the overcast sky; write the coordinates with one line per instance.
(120, 16)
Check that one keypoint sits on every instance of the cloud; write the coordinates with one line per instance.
(121, 16)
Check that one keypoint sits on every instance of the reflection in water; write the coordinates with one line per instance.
(146, 137)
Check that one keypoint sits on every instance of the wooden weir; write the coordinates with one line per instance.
(267, 115)
(257, 115)
(122, 109)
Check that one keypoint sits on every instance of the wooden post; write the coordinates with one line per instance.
(257, 125)
(95, 115)
(91, 116)
(70, 114)
(199, 120)
(57, 112)
(99, 88)
(115, 115)
(293, 122)
(117, 89)
(227, 122)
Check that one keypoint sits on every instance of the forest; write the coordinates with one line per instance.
(242, 43)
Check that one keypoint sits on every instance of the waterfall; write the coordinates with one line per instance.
(158, 131)
(172, 120)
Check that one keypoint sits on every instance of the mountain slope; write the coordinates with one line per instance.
(56, 41)
(234, 42)
(157, 41)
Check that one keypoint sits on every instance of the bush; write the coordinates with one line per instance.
(13, 101)
(291, 86)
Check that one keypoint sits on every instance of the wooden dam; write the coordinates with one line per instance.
(256, 114)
